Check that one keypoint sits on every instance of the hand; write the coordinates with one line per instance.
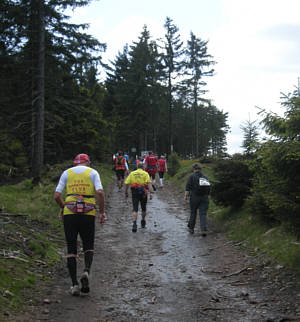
(102, 218)
(61, 214)
(150, 196)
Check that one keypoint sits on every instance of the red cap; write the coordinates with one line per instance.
(81, 158)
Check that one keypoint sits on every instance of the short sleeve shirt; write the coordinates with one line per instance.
(138, 176)
(95, 178)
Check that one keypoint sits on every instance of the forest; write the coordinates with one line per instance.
(54, 106)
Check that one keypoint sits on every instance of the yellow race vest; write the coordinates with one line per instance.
(80, 185)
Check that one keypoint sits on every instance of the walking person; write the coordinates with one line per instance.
(162, 168)
(84, 192)
(150, 164)
(121, 167)
(137, 160)
(198, 187)
(140, 183)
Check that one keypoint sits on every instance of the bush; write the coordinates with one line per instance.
(173, 164)
(277, 182)
(233, 183)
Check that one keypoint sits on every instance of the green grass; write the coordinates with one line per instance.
(31, 240)
(275, 242)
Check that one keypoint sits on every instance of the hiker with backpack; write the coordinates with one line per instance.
(121, 167)
(140, 183)
(198, 188)
(150, 165)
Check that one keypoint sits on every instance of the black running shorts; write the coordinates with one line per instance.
(120, 174)
(136, 199)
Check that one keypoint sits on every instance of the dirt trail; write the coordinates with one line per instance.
(162, 273)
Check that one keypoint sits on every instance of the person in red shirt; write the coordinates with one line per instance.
(151, 167)
(162, 168)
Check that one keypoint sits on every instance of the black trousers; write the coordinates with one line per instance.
(198, 203)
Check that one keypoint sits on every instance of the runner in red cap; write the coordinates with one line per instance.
(83, 191)
(81, 158)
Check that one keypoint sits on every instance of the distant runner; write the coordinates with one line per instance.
(162, 168)
(140, 183)
(151, 167)
(121, 167)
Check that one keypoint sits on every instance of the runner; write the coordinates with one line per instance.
(198, 187)
(135, 163)
(83, 191)
(150, 164)
(140, 183)
(120, 167)
(162, 168)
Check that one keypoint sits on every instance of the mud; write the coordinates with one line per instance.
(163, 273)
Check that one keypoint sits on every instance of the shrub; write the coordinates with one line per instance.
(277, 182)
(233, 183)
(173, 164)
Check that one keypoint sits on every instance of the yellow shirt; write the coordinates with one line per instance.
(138, 176)
(80, 184)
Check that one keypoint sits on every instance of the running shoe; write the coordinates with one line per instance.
(74, 290)
(134, 227)
(143, 223)
(85, 283)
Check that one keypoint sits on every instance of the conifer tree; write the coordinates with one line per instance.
(172, 62)
(197, 65)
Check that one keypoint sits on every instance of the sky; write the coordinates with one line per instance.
(256, 44)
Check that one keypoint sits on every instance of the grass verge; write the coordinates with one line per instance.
(276, 243)
(31, 238)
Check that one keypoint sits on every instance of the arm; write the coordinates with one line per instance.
(60, 202)
(127, 184)
(100, 201)
(58, 191)
(126, 190)
(150, 188)
(59, 199)
(186, 194)
(188, 188)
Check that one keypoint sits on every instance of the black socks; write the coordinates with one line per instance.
(72, 266)
(88, 259)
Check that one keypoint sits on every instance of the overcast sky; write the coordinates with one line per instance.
(256, 44)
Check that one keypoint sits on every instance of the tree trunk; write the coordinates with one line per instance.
(38, 85)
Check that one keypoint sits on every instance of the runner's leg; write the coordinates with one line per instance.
(71, 232)
(143, 201)
(135, 208)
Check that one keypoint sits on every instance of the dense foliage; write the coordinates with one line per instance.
(276, 188)
(53, 105)
(232, 183)
(268, 174)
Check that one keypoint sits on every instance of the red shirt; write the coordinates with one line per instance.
(161, 165)
(151, 163)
